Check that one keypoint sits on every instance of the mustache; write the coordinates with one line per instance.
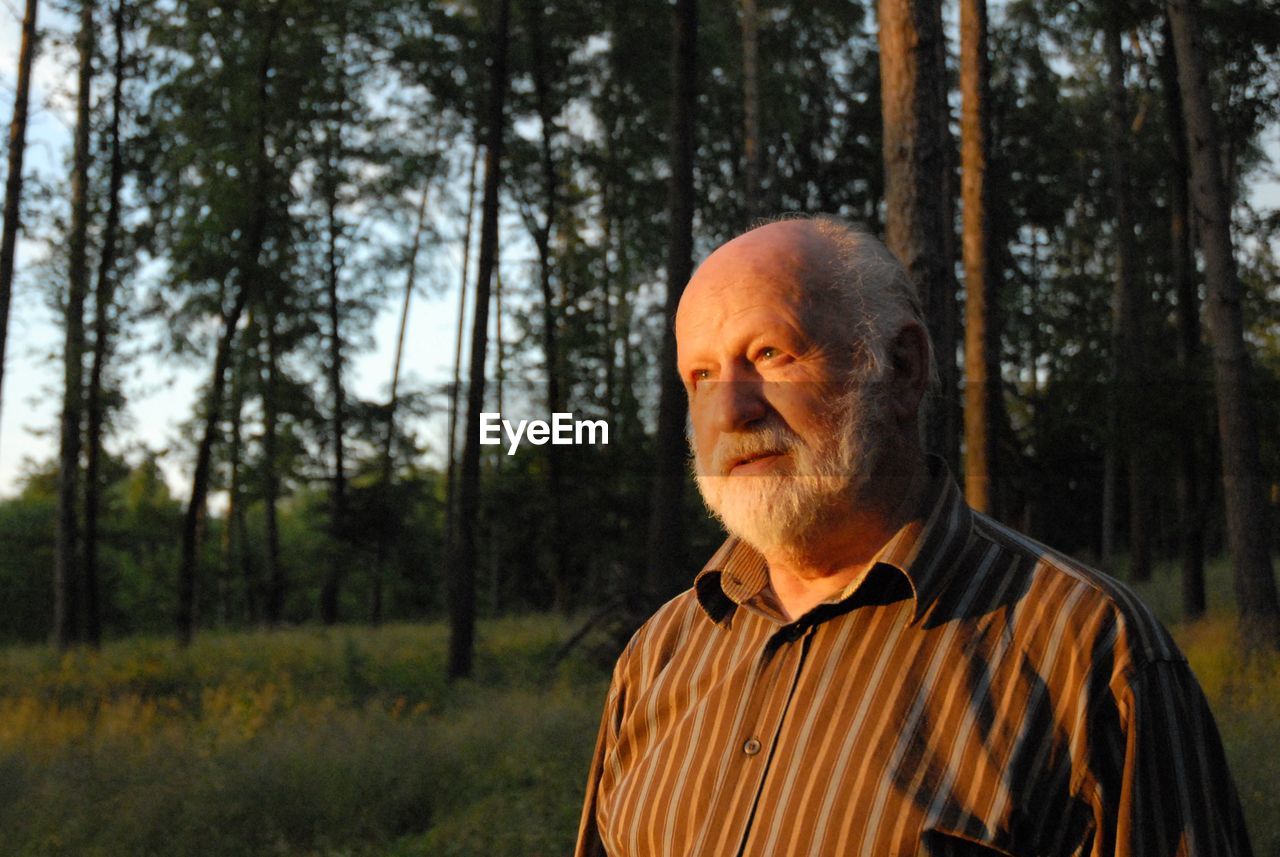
(733, 448)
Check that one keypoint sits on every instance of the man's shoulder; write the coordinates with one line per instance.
(669, 628)
(1072, 602)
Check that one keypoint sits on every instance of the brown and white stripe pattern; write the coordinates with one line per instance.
(975, 693)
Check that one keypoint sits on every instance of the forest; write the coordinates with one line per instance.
(1071, 187)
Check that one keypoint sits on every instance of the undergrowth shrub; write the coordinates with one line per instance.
(309, 741)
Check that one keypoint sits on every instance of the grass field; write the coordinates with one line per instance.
(348, 741)
(307, 741)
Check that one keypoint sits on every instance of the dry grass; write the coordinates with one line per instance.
(349, 742)
(299, 742)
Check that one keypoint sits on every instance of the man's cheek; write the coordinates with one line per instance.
(706, 454)
(715, 449)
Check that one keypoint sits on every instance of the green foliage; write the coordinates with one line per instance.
(311, 741)
(820, 111)
(26, 531)
(1055, 238)
(139, 550)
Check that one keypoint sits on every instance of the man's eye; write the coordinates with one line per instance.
(699, 375)
(768, 353)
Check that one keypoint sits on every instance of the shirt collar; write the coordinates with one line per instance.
(922, 550)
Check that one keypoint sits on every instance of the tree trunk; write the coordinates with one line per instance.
(393, 402)
(463, 552)
(103, 301)
(193, 519)
(451, 473)
(273, 569)
(500, 362)
(68, 606)
(666, 572)
(1110, 479)
(338, 496)
(1182, 275)
(750, 111)
(249, 263)
(1140, 511)
(981, 340)
(494, 542)
(1126, 326)
(234, 553)
(608, 313)
(1248, 527)
(13, 184)
(915, 163)
(1032, 486)
(229, 546)
(949, 413)
(561, 578)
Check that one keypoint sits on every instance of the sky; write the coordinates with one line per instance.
(160, 395)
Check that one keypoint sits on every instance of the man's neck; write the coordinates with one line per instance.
(807, 575)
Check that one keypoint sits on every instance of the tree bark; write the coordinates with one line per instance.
(451, 474)
(68, 606)
(277, 580)
(103, 302)
(1248, 526)
(1126, 326)
(981, 341)
(463, 552)
(338, 494)
(451, 471)
(387, 476)
(915, 162)
(1182, 274)
(750, 111)
(13, 184)
(608, 316)
(542, 232)
(500, 362)
(494, 543)
(949, 413)
(666, 572)
(234, 553)
(254, 237)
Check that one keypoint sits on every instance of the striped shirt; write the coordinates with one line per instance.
(974, 693)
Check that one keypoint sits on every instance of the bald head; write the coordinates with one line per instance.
(786, 264)
(796, 247)
(843, 277)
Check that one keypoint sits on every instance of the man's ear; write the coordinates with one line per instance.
(908, 369)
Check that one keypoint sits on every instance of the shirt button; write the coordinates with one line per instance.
(751, 746)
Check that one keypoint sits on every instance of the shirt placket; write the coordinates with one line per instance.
(750, 756)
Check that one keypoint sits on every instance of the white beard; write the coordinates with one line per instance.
(784, 510)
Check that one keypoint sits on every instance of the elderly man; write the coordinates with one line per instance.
(867, 666)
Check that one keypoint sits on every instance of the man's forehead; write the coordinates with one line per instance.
(794, 246)
(781, 262)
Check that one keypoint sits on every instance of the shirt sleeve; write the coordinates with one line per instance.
(589, 841)
(1172, 793)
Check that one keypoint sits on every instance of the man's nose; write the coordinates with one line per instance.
(738, 403)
